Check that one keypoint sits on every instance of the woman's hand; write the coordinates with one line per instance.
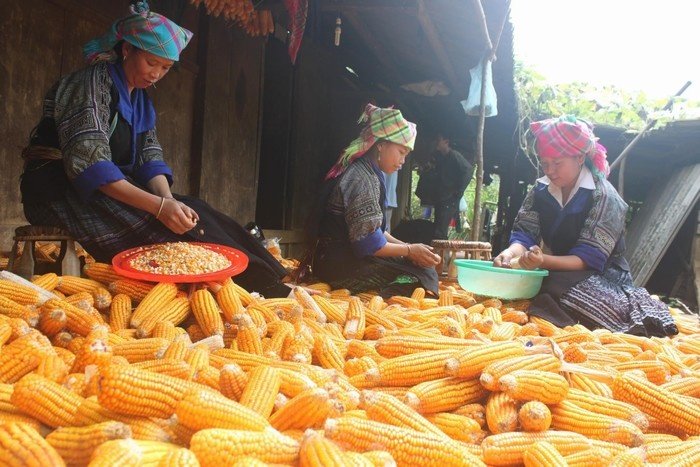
(422, 255)
(177, 216)
(506, 256)
(532, 259)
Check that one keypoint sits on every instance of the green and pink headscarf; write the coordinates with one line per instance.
(144, 29)
(381, 124)
(568, 136)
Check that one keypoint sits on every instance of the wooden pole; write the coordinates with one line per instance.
(490, 56)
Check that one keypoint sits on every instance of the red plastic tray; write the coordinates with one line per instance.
(239, 262)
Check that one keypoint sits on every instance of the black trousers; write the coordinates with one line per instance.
(444, 213)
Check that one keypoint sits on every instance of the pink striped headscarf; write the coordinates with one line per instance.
(568, 136)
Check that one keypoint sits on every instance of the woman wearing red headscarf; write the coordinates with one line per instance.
(580, 218)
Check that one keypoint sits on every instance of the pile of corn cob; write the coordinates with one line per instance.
(242, 12)
(103, 370)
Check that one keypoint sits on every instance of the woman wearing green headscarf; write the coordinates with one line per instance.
(352, 248)
(94, 166)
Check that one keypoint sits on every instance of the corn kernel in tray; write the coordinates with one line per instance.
(179, 258)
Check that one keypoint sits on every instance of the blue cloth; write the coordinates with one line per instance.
(98, 174)
(370, 244)
(144, 29)
(391, 180)
(136, 108)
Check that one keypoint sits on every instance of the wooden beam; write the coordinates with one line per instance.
(436, 44)
(364, 5)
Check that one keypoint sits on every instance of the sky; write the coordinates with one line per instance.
(638, 45)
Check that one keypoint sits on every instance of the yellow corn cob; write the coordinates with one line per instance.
(12, 309)
(5, 332)
(147, 452)
(120, 312)
(404, 302)
(207, 409)
(21, 444)
(198, 357)
(690, 458)
(153, 303)
(5, 394)
(374, 332)
(358, 348)
(543, 453)
(355, 320)
(385, 408)
(131, 391)
(83, 300)
(458, 427)
(297, 349)
(262, 388)
(216, 447)
(508, 448)
(331, 310)
(52, 322)
(76, 444)
(443, 395)
(471, 362)
(207, 313)
(501, 413)
(586, 384)
(167, 330)
(209, 377)
(248, 337)
(658, 452)
(22, 356)
(78, 321)
(71, 285)
(62, 339)
(406, 446)
(355, 366)
(47, 281)
(534, 416)
(294, 382)
(232, 381)
(397, 345)
(166, 366)
(136, 290)
(102, 298)
(182, 457)
(610, 407)
(659, 437)
(317, 451)
(493, 372)
(380, 458)
(476, 412)
(45, 400)
(142, 349)
(515, 316)
(527, 385)
(657, 402)
(308, 409)
(174, 311)
(229, 301)
(631, 458)
(52, 367)
(101, 272)
(688, 386)
(7, 418)
(570, 417)
(177, 350)
(18, 293)
(327, 354)
(594, 457)
(655, 371)
(411, 369)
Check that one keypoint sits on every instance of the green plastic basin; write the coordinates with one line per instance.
(482, 278)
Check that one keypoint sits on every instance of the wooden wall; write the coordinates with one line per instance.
(207, 122)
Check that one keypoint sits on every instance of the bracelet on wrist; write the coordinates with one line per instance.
(160, 209)
(408, 249)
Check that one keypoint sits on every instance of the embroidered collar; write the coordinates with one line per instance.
(585, 180)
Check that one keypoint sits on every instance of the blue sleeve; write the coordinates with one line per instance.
(150, 169)
(522, 238)
(98, 174)
(593, 257)
(369, 245)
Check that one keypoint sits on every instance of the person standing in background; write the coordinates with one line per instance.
(454, 173)
(391, 203)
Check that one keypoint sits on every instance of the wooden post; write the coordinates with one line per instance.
(488, 58)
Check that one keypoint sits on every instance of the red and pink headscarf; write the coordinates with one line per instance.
(568, 136)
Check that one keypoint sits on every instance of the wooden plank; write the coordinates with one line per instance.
(657, 223)
(432, 35)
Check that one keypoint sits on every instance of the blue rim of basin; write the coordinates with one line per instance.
(488, 266)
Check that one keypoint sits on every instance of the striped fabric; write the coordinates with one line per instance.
(381, 124)
(568, 136)
(144, 29)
